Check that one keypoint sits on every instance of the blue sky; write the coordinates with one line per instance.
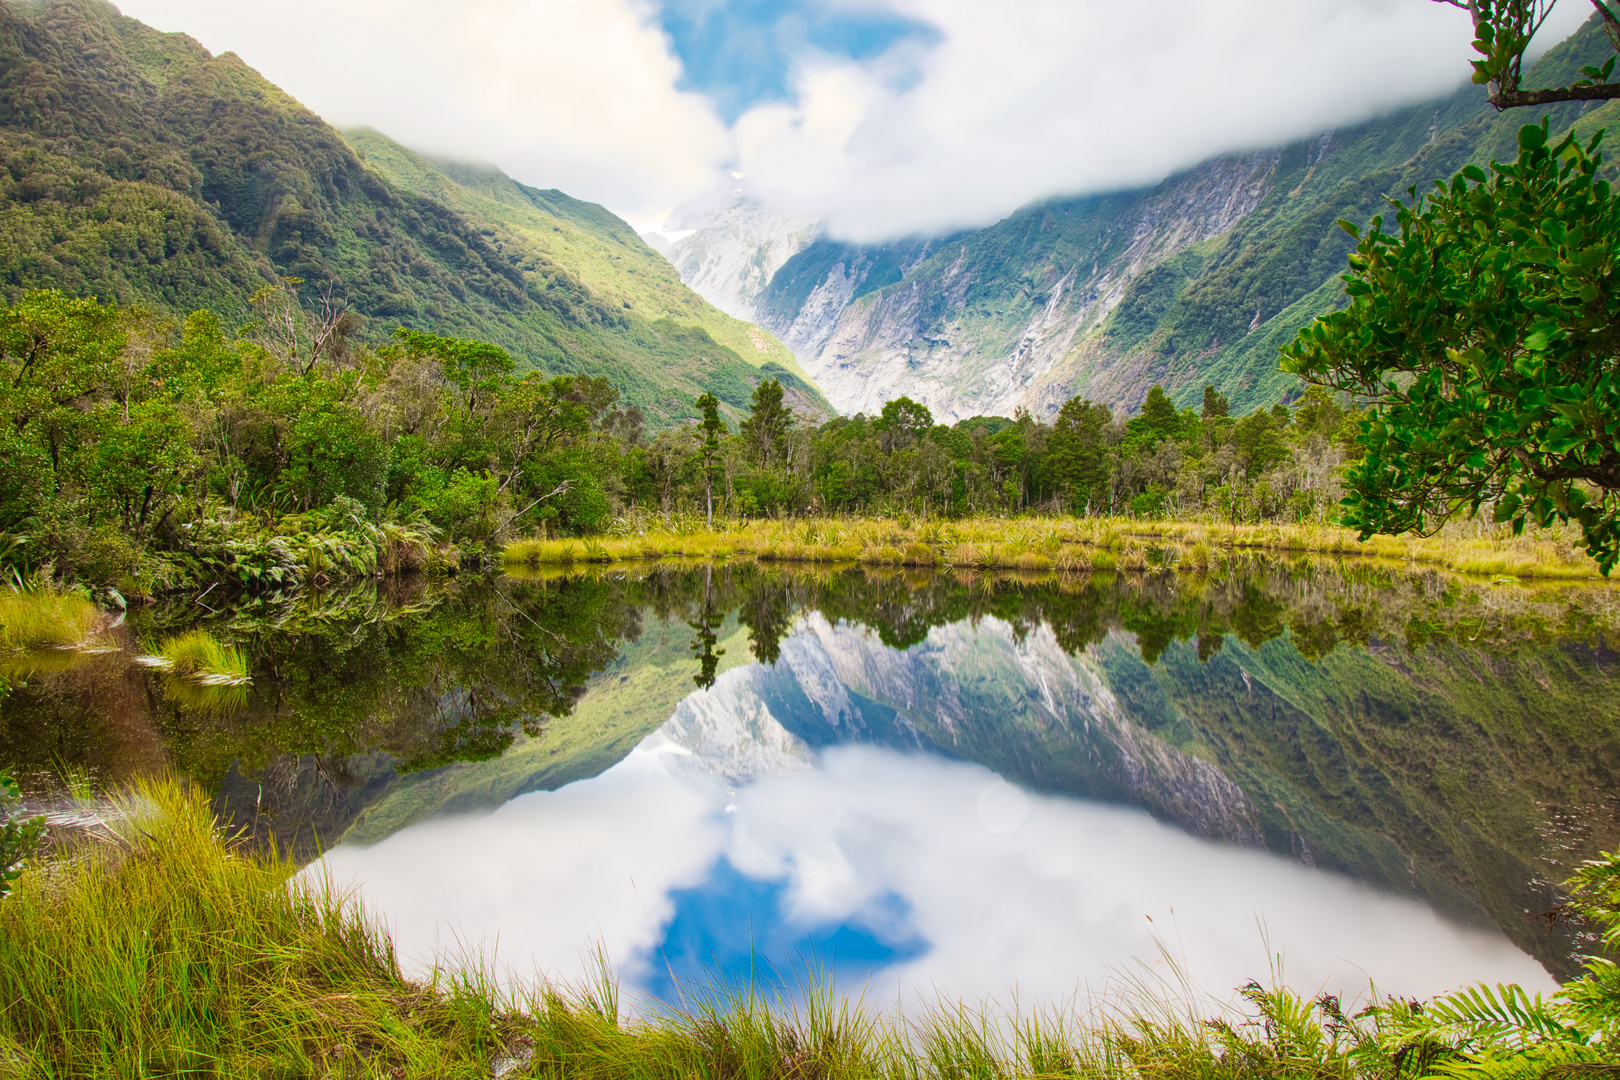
(733, 931)
(740, 53)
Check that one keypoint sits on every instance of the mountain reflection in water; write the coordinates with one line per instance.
(1439, 742)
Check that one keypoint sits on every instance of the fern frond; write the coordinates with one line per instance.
(1572, 1061)
(1505, 1015)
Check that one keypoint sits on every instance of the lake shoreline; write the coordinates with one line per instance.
(1060, 544)
(161, 941)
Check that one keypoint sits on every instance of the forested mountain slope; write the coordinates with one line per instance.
(1196, 280)
(140, 169)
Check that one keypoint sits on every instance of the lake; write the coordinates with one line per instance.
(915, 784)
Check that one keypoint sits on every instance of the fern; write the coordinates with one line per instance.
(1506, 1033)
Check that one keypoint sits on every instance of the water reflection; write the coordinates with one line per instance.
(1447, 743)
(920, 874)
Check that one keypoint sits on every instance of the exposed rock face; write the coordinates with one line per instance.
(1199, 279)
(729, 253)
(930, 337)
(1024, 707)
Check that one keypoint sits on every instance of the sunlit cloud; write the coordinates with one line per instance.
(886, 118)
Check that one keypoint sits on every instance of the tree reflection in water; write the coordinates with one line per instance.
(1409, 729)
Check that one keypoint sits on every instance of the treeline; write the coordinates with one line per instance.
(151, 456)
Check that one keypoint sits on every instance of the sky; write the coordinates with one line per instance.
(885, 117)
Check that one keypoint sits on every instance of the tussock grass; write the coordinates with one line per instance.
(1033, 544)
(162, 949)
(44, 618)
(201, 658)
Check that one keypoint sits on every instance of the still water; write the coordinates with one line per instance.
(975, 787)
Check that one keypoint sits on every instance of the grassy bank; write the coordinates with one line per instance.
(45, 618)
(1063, 544)
(156, 949)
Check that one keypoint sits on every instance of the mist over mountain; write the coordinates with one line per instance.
(1196, 280)
(142, 170)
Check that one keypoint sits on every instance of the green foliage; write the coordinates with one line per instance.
(1487, 1033)
(711, 428)
(18, 837)
(141, 171)
(1503, 30)
(1078, 461)
(1484, 334)
(767, 425)
(902, 422)
(201, 657)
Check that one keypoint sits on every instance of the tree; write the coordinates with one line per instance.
(1257, 438)
(711, 427)
(1319, 419)
(1503, 30)
(1157, 421)
(1215, 404)
(768, 423)
(1077, 459)
(903, 422)
(141, 465)
(475, 368)
(1486, 335)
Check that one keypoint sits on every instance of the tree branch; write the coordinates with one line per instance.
(1508, 99)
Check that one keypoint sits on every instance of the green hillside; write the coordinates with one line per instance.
(140, 169)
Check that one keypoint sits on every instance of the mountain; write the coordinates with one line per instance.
(730, 249)
(1198, 279)
(141, 169)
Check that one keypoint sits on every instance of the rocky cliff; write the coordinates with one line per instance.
(729, 248)
(1196, 280)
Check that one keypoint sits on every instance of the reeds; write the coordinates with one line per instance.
(200, 658)
(44, 618)
(1036, 544)
(162, 951)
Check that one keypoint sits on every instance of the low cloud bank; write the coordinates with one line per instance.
(999, 104)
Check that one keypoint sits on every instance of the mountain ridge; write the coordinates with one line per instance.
(1197, 279)
(141, 169)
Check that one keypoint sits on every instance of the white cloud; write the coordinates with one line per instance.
(1055, 895)
(1016, 100)
(575, 94)
(1041, 97)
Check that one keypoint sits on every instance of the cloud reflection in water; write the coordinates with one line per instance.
(930, 876)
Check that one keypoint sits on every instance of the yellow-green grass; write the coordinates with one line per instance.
(201, 658)
(1037, 544)
(163, 949)
(164, 952)
(44, 618)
